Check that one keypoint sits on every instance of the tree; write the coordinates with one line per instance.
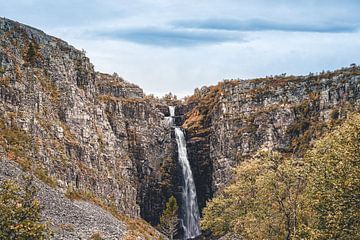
(31, 54)
(262, 203)
(334, 184)
(20, 216)
(169, 220)
(274, 197)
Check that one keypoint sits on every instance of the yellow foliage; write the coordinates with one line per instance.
(261, 203)
(273, 197)
(20, 216)
(43, 175)
(334, 183)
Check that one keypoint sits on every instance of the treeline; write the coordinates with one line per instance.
(275, 197)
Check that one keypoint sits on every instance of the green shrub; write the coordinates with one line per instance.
(20, 216)
(2, 70)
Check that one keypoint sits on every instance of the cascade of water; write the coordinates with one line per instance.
(172, 115)
(191, 216)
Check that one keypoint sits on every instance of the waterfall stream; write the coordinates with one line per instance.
(190, 217)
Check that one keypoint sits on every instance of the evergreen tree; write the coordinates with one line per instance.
(169, 220)
(20, 213)
(31, 54)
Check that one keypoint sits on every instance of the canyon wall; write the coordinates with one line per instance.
(229, 122)
(81, 130)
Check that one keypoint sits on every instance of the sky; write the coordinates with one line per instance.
(179, 45)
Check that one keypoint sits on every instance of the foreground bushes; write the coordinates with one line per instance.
(20, 213)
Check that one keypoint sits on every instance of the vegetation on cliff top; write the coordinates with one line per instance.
(273, 197)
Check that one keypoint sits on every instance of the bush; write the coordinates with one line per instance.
(2, 70)
(20, 216)
(96, 236)
(31, 54)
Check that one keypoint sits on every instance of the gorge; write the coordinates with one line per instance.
(190, 210)
(102, 139)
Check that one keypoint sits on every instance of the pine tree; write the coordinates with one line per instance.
(31, 54)
(169, 220)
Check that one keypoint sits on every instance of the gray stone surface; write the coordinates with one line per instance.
(69, 219)
(94, 132)
(229, 122)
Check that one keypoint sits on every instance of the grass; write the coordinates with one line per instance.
(50, 88)
(43, 175)
(5, 81)
(16, 143)
(68, 135)
(96, 236)
(68, 227)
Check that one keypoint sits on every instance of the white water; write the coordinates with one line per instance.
(172, 115)
(191, 216)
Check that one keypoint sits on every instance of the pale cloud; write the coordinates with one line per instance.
(180, 45)
(250, 25)
(169, 37)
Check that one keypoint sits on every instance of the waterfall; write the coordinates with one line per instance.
(190, 216)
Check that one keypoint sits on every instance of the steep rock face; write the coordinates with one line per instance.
(78, 129)
(229, 122)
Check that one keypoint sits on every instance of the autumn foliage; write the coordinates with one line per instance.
(20, 216)
(276, 197)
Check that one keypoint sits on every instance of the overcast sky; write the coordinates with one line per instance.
(178, 45)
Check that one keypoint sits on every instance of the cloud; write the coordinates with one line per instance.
(178, 45)
(170, 37)
(265, 25)
(180, 70)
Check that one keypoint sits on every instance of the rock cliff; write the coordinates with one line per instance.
(228, 122)
(80, 130)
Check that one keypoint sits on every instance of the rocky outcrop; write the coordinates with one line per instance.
(229, 122)
(79, 129)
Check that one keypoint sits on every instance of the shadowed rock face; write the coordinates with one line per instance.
(95, 132)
